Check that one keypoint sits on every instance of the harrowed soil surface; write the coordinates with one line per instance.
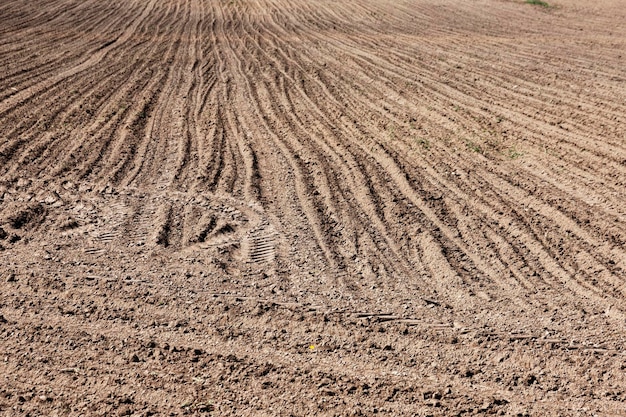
(312, 207)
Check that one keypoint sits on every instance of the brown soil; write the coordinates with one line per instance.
(312, 207)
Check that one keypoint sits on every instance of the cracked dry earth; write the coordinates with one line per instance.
(312, 207)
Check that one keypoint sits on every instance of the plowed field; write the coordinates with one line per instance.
(312, 207)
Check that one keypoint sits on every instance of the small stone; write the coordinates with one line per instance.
(486, 406)
(11, 277)
(23, 182)
(328, 392)
(433, 403)
(324, 382)
(205, 408)
(50, 199)
(134, 358)
(2, 319)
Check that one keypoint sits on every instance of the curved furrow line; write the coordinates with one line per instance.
(178, 133)
(286, 109)
(582, 137)
(195, 95)
(210, 140)
(213, 163)
(241, 174)
(234, 177)
(150, 128)
(136, 137)
(612, 211)
(363, 187)
(25, 76)
(213, 145)
(222, 167)
(567, 204)
(545, 227)
(92, 152)
(187, 152)
(566, 236)
(42, 100)
(592, 187)
(15, 115)
(587, 175)
(553, 85)
(593, 63)
(20, 62)
(566, 196)
(144, 77)
(540, 198)
(395, 198)
(459, 208)
(115, 155)
(93, 22)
